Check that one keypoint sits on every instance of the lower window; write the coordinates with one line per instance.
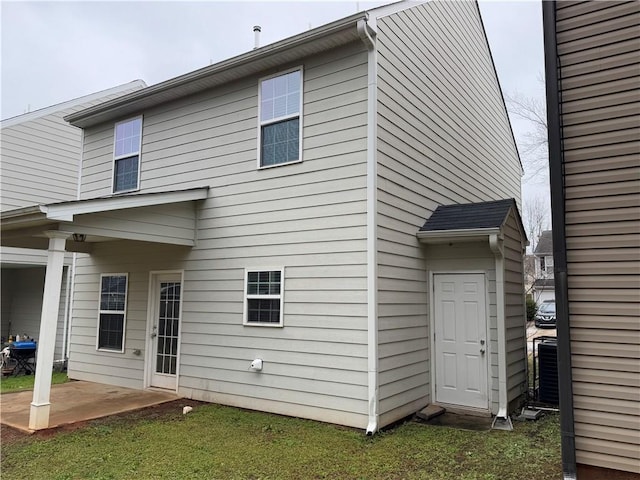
(263, 297)
(113, 302)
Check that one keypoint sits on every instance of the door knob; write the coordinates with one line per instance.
(482, 351)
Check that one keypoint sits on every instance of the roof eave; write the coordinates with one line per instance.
(204, 78)
(466, 235)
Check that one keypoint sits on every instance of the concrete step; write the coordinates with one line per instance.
(430, 411)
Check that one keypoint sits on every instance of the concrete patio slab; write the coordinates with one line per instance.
(77, 401)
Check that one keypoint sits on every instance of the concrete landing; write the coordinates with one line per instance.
(78, 401)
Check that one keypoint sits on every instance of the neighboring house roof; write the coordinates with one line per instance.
(469, 216)
(8, 122)
(545, 244)
(544, 283)
(292, 49)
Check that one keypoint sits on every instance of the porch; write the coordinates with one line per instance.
(78, 401)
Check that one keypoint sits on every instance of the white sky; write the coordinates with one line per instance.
(55, 51)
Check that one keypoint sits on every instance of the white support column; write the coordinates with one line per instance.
(39, 417)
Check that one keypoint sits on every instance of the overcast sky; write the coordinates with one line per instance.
(56, 51)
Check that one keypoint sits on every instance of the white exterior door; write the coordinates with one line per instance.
(164, 331)
(460, 323)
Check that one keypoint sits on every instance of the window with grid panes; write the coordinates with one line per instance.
(263, 298)
(112, 316)
(280, 123)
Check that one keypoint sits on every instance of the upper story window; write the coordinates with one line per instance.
(126, 155)
(280, 119)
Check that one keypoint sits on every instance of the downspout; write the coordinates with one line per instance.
(364, 31)
(556, 174)
(67, 306)
(495, 243)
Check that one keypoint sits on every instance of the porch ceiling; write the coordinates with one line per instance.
(165, 217)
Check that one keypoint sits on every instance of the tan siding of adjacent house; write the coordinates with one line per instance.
(308, 217)
(443, 137)
(599, 55)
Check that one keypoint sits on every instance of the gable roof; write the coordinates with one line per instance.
(469, 216)
(76, 102)
(470, 221)
(545, 243)
(325, 37)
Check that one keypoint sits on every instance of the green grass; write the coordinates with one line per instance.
(217, 442)
(25, 382)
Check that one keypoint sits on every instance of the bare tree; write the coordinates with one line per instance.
(535, 218)
(533, 144)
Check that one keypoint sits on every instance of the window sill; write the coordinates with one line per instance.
(109, 350)
(269, 325)
(265, 167)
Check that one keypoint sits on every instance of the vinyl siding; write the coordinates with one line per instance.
(443, 138)
(599, 52)
(308, 217)
(515, 312)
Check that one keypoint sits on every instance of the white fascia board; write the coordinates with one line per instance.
(67, 210)
(202, 78)
(439, 236)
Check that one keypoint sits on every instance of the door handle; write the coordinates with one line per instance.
(482, 351)
(154, 335)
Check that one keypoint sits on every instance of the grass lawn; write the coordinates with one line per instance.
(217, 442)
(25, 382)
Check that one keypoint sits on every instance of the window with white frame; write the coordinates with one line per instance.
(113, 305)
(280, 119)
(263, 297)
(126, 155)
(548, 264)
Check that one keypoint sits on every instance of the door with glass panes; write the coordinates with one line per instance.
(165, 330)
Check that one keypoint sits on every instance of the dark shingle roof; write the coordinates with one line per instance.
(469, 216)
(545, 243)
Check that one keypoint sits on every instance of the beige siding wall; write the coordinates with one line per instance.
(443, 138)
(309, 218)
(599, 50)
(514, 311)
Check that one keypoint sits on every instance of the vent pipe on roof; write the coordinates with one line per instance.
(256, 34)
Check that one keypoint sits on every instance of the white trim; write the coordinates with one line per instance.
(65, 211)
(67, 311)
(272, 121)
(443, 236)
(496, 245)
(149, 361)
(124, 312)
(246, 297)
(432, 354)
(128, 155)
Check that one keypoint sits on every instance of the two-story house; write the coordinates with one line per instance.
(40, 161)
(543, 285)
(325, 227)
(592, 57)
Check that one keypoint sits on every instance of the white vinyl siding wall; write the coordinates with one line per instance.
(599, 51)
(443, 137)
(308, 217)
